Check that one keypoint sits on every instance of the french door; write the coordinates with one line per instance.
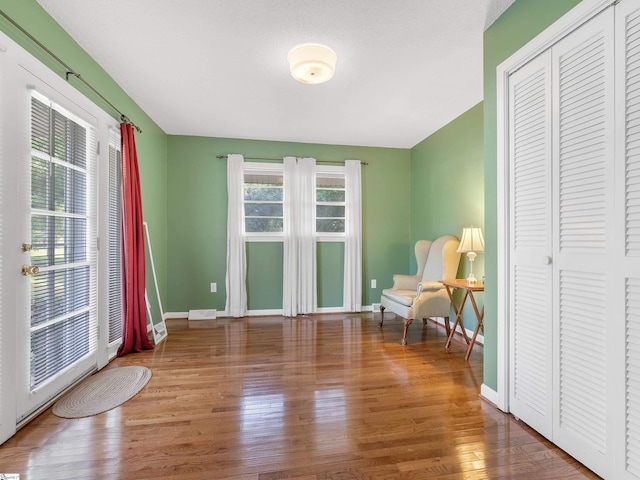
(60, 236)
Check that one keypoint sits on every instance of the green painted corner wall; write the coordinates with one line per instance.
(197, 213)
(151, 144)
(519, 24)
(447, 186)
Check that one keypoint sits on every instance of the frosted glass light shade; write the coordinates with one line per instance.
(312, 63)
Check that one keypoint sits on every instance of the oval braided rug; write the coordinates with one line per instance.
(102, 391)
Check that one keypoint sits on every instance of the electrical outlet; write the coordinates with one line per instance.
(373, 283)
(214, 287)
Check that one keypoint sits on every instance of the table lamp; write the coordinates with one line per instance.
(472, 242)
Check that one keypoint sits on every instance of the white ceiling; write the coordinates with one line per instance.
(218, 68)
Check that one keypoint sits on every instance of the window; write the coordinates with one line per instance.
(330, 203)
(263, 200)
(298, 203)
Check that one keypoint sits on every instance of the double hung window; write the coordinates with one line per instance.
(330, 202)
(263, 202)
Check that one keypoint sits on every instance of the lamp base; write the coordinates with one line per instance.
(471, 278)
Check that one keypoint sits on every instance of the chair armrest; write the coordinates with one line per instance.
(405, 282)
(429, 287)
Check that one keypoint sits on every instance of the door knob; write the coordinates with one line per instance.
(546, 260)
(30, 270)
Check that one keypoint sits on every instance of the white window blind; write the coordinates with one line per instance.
(115, 237)
(63, 294)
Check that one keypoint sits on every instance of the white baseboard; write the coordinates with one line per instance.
(269, 312)
(209, 314)
(264, 313)
(489, 394)
(276, 312)
(330, 310)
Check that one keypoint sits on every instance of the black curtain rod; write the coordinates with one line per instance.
(70, 71)
(280, 159)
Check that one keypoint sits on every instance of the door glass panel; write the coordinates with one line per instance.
(115, 239)
(60, 321)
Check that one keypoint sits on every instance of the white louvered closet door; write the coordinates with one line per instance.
(530, 248)
(627, 403)
(583, 233)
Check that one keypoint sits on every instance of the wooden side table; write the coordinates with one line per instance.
(469, 289)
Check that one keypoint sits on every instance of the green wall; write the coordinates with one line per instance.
(447, 187)
(515, 28)
(151, 144)
(184, 185)
(331, 283)
(197, 213)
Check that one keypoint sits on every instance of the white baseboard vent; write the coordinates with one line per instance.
(202, 314)
(375, 307)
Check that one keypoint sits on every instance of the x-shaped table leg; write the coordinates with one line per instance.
(458, 312)
(480, 325)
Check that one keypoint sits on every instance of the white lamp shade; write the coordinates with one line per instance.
(312, 63)
(472, 240)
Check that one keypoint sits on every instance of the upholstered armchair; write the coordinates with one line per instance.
(422, 295)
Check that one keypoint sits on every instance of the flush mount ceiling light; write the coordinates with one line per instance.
(312, 63)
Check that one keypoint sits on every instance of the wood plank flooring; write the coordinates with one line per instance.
(313, 398)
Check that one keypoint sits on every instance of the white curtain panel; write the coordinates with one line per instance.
(236, 286)
(299, 269)
(290, 244)
(353, 238)
(307, 295)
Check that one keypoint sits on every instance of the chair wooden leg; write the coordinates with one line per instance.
(447, 326)
(407, 322)
(424, 322)
(381, 316)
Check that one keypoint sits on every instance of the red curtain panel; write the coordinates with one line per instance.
(134, 328)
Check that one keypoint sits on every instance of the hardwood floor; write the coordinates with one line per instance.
(319, 397)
